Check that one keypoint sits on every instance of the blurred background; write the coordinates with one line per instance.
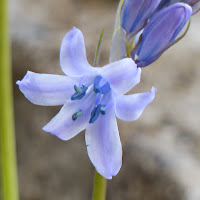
(161, 150)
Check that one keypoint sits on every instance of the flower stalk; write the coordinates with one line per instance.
(99, 185)
(117, 22)
(118, 47)
(7, 139)
(99, 188)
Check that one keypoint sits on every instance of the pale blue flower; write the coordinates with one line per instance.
(91, 99)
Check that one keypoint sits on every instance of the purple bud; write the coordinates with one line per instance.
(195, 4)
(135, 13)
(160, 32)
(165, 3)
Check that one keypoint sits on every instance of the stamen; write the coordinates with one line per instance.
(98, 98)
(96, 84)
(95, 114)
(99, 109)
(80, 92)
(77, 89)
(77, 114)
(103, 109)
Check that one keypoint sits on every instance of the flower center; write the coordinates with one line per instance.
(101, 87)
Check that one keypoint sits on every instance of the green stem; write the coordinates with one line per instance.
(98, 50)
(117, 22)
(117, 38)
(97, 54)
(7, 139)
(99, 189)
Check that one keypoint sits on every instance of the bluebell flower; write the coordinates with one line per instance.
(160, 32)
(195, 4)
(135, 13)
(92, 97)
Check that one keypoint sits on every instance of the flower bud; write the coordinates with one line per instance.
(160, 32)
(134, 14)
(195, 4)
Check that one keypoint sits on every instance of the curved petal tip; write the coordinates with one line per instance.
(25, 79)
(153, 90)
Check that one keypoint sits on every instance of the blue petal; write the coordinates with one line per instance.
(73, 59)
(122, 75)
(161, 31)
(134, 13)
(64, 126)
(103, 144)
(130, 107)
(46, 89)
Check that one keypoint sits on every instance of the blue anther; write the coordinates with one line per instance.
(99, 109)
(77, 89)
(103, 109)
(104, 89)
(80, 92)
(77, 114)
(95, 114)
